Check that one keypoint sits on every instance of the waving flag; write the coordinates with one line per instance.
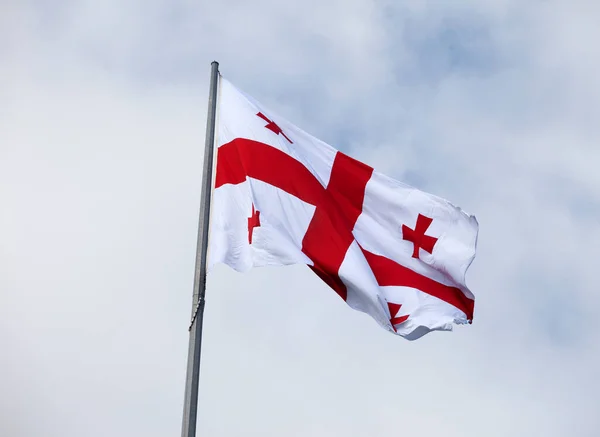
(283, 197)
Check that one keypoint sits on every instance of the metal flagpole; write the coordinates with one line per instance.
(190, 404)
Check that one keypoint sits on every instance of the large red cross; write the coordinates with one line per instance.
(338, 206)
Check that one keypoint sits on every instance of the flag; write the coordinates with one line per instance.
(282, 196)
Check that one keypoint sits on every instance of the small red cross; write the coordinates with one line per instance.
(272, 126)
(253, 222)
(418, 237)
(395, 319)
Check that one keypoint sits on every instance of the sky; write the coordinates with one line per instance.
(493, 105)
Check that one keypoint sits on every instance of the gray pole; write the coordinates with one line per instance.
(190, 403)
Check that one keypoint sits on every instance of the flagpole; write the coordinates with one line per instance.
(190, 404)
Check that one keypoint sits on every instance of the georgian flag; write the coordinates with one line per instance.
(283, 197)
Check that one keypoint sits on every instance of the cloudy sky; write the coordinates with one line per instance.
(494, 105)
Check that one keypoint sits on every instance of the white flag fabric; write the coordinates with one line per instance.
(283, 197)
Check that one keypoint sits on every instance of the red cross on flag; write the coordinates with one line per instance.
(283, 197)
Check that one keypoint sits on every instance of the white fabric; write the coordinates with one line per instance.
(388, 204)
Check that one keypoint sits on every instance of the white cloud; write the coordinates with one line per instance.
(492, 105)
